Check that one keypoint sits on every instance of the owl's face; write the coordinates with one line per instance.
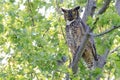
(71, 14)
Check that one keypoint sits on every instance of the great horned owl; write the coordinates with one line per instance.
(74, 34)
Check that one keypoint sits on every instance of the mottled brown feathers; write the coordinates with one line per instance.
(71, 14)
(74, 34)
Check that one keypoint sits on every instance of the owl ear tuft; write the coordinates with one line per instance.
(63, 10)
(76, 8)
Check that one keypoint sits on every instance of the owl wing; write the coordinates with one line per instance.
(93, 48)
(92, 45)
(70, 39)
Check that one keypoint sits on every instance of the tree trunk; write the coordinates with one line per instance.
(117, 5)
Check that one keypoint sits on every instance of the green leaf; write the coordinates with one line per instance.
(97, 72)
(1, 28)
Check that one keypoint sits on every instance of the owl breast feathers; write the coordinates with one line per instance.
(74, 34)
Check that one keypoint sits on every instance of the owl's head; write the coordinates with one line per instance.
(71, 14)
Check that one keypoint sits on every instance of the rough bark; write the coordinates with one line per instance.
(104, 7)
(102, 61)
(117, 5)
(89, 9)
(107, 31)
(80, 50)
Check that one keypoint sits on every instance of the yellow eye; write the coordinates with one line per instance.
(73, 13)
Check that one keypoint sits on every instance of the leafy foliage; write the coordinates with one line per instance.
(32, 39)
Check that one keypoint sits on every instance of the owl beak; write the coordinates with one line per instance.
(70, 19)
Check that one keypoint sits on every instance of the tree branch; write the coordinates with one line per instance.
(102, 61)
(63, 34)
(101, 58)
(80, 49)
(104, 7)
(115, 49)
(96, 20)
(117, 5)
(31, 13)
(79, 52)
(57, 7)
(93, 8)
(107, 31)
(89, 9)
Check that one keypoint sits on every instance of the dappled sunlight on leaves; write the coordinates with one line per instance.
(32, 40)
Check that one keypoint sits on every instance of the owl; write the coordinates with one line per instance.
(74, 34)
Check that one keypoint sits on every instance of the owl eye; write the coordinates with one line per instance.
(67, 14)
(73, 13)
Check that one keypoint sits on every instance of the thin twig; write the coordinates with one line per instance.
(36, 76)
(30, 10)
(63, 34)
(106, 53)
(45, 32)
(115, 49)
(109, 72)
(96, 20)
(104, 7)
(107, 31)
